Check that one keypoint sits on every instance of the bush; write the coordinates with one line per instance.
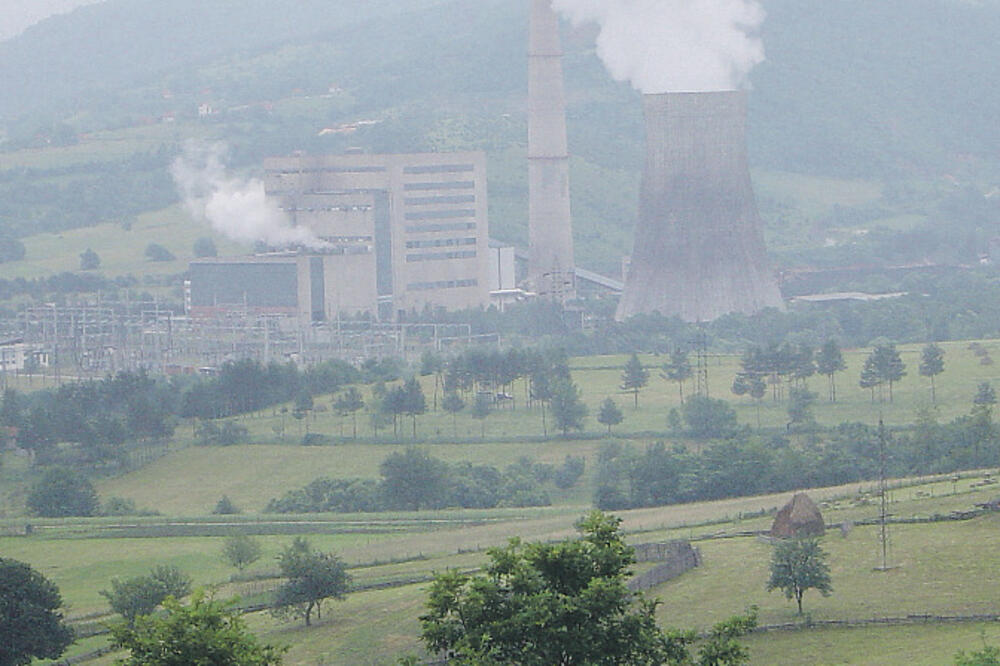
(569, 472)
(119, 506)
(63, 492)
(156, 252)
(709, 418)
(89, 260)
(210, 433)
(315, 439)
(225, 507)
(205, 247)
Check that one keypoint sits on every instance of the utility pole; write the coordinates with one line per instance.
(883, 488)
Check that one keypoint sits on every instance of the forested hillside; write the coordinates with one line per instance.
(899, 94)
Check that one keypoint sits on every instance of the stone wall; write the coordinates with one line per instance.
(677, 557)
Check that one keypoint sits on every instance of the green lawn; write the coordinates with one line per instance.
(121, 251)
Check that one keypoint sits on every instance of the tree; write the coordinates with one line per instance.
(205, 632)
(931, 365)
(544, 604)
(709, 418)
(241, 550)
(31, 624)
(204, 247)
(225, 507)
(89, 260)
(413, 479)
(349, 402)
(678, 369)
(798, 565)
(800, 407)
(609, 414)
(883, 366)
(312, 578)
(63, 492)
(414, 402)
(985, 395)
(453, 404)
(134, 597)
(567, 408)
(481, 408)
(156, 252)
(634, 377)
(829, 361)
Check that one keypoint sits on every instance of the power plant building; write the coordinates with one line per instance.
(401, 233)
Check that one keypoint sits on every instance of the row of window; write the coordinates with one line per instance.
(433, 256)
(445, 185)
(440, 168)
(448, 226)
(440, 242)
(440, 214)
(442, 284)
(423, 201)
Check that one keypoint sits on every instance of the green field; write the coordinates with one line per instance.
(121, 251)
(939, 568)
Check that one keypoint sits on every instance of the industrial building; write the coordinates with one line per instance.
(400, 233)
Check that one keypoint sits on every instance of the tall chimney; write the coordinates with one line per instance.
(699, 249)
(550, 261)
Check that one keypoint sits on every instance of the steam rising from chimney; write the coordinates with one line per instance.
(674, 45)
(236, 208)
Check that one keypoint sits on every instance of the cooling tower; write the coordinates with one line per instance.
(550, 260)
(699, 250)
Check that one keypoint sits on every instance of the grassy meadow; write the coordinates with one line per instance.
(938, 568)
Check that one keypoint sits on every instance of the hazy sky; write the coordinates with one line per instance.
(16, 15)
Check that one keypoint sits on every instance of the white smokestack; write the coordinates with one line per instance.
(236, 208)
(665, 46)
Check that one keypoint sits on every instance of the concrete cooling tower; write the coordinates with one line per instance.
(699, 250)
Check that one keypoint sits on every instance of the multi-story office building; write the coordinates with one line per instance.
(421, 218)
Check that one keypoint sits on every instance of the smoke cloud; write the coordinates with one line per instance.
(234, 207)
(674, 45)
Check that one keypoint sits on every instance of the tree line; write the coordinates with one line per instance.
(412, 480)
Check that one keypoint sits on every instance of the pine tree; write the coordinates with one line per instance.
(634, 377)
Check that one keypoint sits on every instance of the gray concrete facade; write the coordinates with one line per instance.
(406, 231)
(699, 249)
(550, 264)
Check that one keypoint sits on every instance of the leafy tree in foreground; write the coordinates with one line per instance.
(63, 492)
(931, 365)
(31, 625)
(634, 377)
(312, 578)
(544, 604)
(609, 414)
(135, 597)
(205, 632)
(241, 550)
(798, 565)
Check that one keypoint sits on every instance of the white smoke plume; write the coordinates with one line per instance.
(674, 45)
(235, 207)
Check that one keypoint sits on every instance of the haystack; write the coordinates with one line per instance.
(798, 518)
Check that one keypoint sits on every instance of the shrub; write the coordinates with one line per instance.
(156, 252)
(63, 492)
